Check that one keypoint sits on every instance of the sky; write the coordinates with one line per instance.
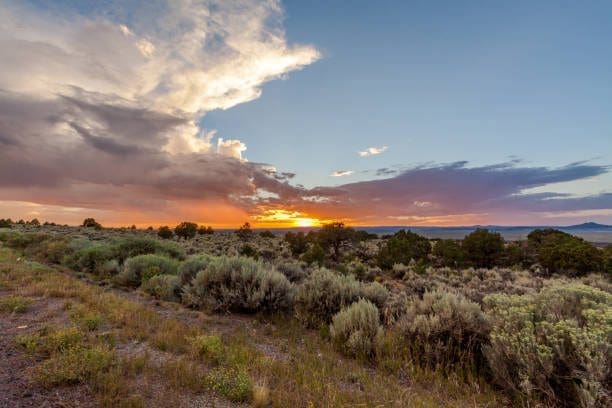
(298, 113)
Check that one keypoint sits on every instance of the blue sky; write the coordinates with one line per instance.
(140, 111)
(437, 82)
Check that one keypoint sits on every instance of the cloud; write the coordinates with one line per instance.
(494, 192)
(341, 173)
(231, 148)
(372, 151)
(102, 110)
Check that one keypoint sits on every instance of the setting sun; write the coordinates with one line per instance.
(306, 222)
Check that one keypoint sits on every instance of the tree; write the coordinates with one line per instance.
(559, 252)
(8, 223)
(202, 230)
(448, 252)
(35, 222)
(403, 247)
(266, 234)
(186, 230)
(91, 223)
(483, 248)
(165, 232)
(298, 242)
(245, 232)
(332, 236)
(314, 254)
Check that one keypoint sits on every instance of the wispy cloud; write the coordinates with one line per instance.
(342, 173)
(372, 151)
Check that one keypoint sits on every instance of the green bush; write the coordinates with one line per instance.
(91, 223)
(165, 232)
(324, 293)
(448, 252)
(141, 268)
(164, 287)
(6, 223)
(190, 268)
(14, 304)
(92, 259)
(553, 345)
(74, 365)
(240, 284)
(443, 329)
(356, 330)
(403, 247)
(234, 384)
(314, 254)
(133, 246)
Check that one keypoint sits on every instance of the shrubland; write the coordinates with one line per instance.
(530, 319)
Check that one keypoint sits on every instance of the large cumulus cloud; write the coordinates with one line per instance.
(102, 110)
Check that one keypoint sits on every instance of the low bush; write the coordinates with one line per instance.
(483, 248)
(141, 268)
(133, 246)
(73, 366)
(164, 287)
(91, 259)
(443, 329)
(234, 384)
(190, 268)
(324, 293)
(553, 345)
(292, 271)
(240, 284)
(356, 330)
(210, 347)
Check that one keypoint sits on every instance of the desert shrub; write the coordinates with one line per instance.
(21, 241)
(331, 237)
(559, 252)
(359, 270)
(240, 284)
(233, 383)
(553, 345)
(403, 247)
(356, 330)
(202, 230)
(190, 268)
(6, 223)
(85, 318)
(293, 271)
(483, 248)
(601, 282)
(164, 287)
(165, 232)
(324, 293)
(267, 234)
(53, 249)
(141, 268)
(133, 246)
(92, 259)
(14, 304)
(186, 230)
(607, 260)
(443, 329)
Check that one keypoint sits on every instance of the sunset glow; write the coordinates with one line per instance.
(224, 112)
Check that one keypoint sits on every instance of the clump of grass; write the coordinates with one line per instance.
(29, 342)
(261, 396)
(209, 347)
(14, 304)
(73, 365)
(85, 318)
(233, 383)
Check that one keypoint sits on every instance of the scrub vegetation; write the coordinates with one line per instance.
(334, 317)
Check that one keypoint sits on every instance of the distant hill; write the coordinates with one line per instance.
(588, 226)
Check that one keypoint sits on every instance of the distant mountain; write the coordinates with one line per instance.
(588, 226)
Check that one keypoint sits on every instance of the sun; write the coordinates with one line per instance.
(305, 222)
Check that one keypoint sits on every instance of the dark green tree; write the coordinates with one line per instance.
(245, 232)
(483, 248)
(403, 247)
(333, 236)
(448, 252)
(298, 242)
(91, 223)
(186, 230)
(165, 232)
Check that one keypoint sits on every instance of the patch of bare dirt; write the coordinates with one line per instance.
(16, 389)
